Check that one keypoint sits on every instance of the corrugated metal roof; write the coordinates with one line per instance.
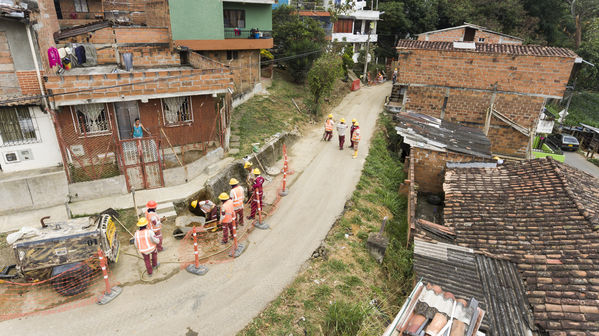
(487, 48)
(494, 283)
(82, 29)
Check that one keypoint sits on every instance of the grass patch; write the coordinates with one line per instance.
(263, 116)
(350, 293)
(584, 108)
(594, 161)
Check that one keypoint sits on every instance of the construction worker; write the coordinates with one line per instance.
(237, 194)
(394, 76)
(341, 129)
(227, 216)
(351, 132)
(250, 177)
(258, 192)
(154, 222)
(206, 209)
(146, 242)
(329, 124)
(355, 138)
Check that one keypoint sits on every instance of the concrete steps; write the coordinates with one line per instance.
(165, 209)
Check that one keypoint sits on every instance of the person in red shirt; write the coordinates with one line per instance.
(351, 132)
(258, 193)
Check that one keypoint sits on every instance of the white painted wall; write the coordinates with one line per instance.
(46, 152)
(351, 38)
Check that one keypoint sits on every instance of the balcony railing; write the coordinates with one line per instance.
(235, 33)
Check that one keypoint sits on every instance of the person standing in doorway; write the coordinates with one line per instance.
(139, 129)
(341, 129)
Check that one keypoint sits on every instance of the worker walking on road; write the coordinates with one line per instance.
(341, 129)
(154, 222)
(351, 132)
(146, 242)
(227, 216)
(237, 194)
(355, 138)
(258, 192)
(329, 124)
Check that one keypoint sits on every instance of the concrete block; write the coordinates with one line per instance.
(16, 195)
(83, 191)
(377, 246)
(174, 176)
(235, 144)
(234, 151)
(48, 189)
(212, 169)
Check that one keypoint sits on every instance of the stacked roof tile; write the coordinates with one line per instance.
(509, 49)
(541, 215)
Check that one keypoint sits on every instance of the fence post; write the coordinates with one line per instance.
(109, 293)
(196, 268)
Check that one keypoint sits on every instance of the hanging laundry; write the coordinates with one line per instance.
(91, 58)
(54, 57)
(62, 52)
(80, 54)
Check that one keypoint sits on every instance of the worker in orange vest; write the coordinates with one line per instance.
(237, 194)
(146, 242)
(154, 222)
(227, 216)
(329, 124)
(351, 132)
(355, 138)
(258, 193)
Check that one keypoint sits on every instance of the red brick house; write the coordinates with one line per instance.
(469, 33)
(499, 88)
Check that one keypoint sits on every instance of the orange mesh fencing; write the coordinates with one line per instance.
(77, 286)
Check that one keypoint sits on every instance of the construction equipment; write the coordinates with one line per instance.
(59, 250)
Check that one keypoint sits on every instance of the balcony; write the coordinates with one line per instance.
(235, 33)
(235, 39)
(354, 38)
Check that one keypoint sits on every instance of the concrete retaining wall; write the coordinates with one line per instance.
(28, 193)
(178, 175)
(82, 191)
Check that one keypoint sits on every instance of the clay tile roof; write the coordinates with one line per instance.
(543, 216)
(487, 48)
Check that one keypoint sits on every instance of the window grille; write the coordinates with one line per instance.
(92, 118)
(17, 126)
(177, 110)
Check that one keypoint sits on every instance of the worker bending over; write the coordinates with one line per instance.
(146, 242)
(206, 209)
(341, 129)
(329, 124)
(237, 194)
(351, 132)
(227, 216)
(154, 222)
(355, 138)
(258, 192)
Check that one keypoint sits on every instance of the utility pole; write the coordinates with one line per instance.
(368, 47)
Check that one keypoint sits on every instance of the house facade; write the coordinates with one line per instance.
(499, 88)
(469, 33)
(356, 25)
(27, 136)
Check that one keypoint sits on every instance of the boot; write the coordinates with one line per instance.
(355, 154)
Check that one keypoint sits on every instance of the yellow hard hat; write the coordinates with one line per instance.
(194, 203)
(330, 116)
(496, 158)
(354, 120)
(342, 120)
(256, 171)
(223, 197)
(142, 222)
(233, 181)
(247, 165)
(357, 123)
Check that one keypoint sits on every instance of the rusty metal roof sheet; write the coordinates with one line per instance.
(82, 29)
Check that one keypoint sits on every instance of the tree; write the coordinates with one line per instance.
(321, 77)
(295, 36)
(582, 11)
(588, 77)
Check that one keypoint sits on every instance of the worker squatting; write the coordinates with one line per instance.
(228, 215)
(354, 133)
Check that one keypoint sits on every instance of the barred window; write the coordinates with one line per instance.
(92, 118)
(17, 126)
(177, 110)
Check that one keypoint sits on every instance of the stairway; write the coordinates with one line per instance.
(396, 94)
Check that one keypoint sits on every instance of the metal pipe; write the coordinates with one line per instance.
(37, 68)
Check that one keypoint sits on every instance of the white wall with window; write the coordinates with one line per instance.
(27, 139)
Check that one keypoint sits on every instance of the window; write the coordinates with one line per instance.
(92, 118)
(343, 26)
(481, 39)
(177, 110)
(17, 126)
(234, 18)
(469, 33)
(232, 55)
(81, 6)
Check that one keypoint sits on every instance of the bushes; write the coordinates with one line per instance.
(344, 319)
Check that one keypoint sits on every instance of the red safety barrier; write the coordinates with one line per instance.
(196, 253)
(355, 85)
(283, 191)
(41, 293)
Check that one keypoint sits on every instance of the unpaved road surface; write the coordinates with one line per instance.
(231, 294)
(578, 161)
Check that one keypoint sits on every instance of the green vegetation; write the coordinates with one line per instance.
(262, 116)
(90, 173)
(325, 71)
(349, 293)
(594, 161)
(584, 108)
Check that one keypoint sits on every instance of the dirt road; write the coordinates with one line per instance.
(231, 294)
(578, 161)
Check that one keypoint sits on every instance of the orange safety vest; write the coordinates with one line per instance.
(237, 197)
(227, 214)
(144, 242)
(329, 124)
(154, 223)
(356, 135)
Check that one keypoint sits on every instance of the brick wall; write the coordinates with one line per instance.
(111, 35)
(429, 167)
(47, 25)
(527, 74)
(28, 82)
(157, 14)
(9, 85)
(245, 68)
(446, 36)
(150, 56)
(148, 84)
(494, 38)
(67, 8)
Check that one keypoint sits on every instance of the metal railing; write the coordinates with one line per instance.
(236, 33)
